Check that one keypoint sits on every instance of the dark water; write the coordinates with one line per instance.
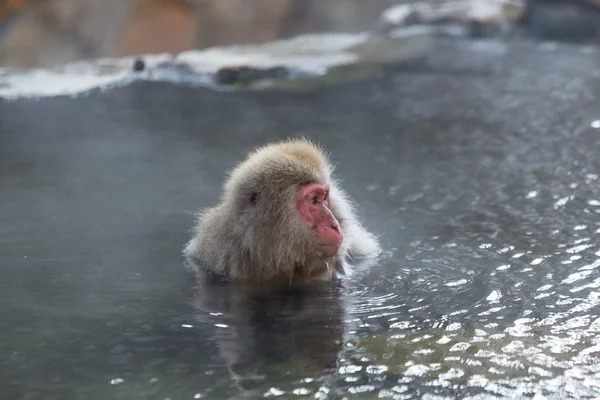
(478, 169)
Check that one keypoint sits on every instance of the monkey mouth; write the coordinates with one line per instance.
(329, 249)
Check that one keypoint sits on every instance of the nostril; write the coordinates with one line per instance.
(334, 226)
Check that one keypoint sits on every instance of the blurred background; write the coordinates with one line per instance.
(41, 33)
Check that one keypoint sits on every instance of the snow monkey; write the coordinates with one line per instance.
(281, 216)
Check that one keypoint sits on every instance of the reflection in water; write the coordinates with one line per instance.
(281, 334)
(274, 335)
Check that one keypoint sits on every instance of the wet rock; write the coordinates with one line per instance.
(318, 57)
(474, 16)
(561, 20)
(139, 65)
(233, 75)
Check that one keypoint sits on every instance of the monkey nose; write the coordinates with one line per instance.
(335, 226)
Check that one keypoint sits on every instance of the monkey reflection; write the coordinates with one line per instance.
(272, 331)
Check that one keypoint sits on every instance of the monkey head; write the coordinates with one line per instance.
(281, 213)
(281, 197)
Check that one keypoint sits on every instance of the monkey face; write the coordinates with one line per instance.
(312, 203)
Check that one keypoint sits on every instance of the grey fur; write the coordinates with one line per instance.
(255, 232)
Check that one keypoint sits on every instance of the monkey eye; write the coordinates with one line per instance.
(253, 198)
(325, 196)
(315, 200)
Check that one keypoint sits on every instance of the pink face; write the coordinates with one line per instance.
(312, 201)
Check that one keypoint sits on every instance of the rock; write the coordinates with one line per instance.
(158, 26)
(489, 13)
(232, 75)
(561, 20)
(139, 65)
(9, 8)
(54, 32)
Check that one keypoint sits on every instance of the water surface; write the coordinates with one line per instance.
(478, 170)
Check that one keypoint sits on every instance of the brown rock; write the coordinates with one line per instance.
(158, 26)
(53, 32)
(223, 22)
(10, 7)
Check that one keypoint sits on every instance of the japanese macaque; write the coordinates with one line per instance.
(281, 216)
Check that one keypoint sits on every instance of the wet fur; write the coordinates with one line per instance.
(255, 232)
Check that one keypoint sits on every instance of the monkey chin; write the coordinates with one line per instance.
(323, 268)
(327, 251)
